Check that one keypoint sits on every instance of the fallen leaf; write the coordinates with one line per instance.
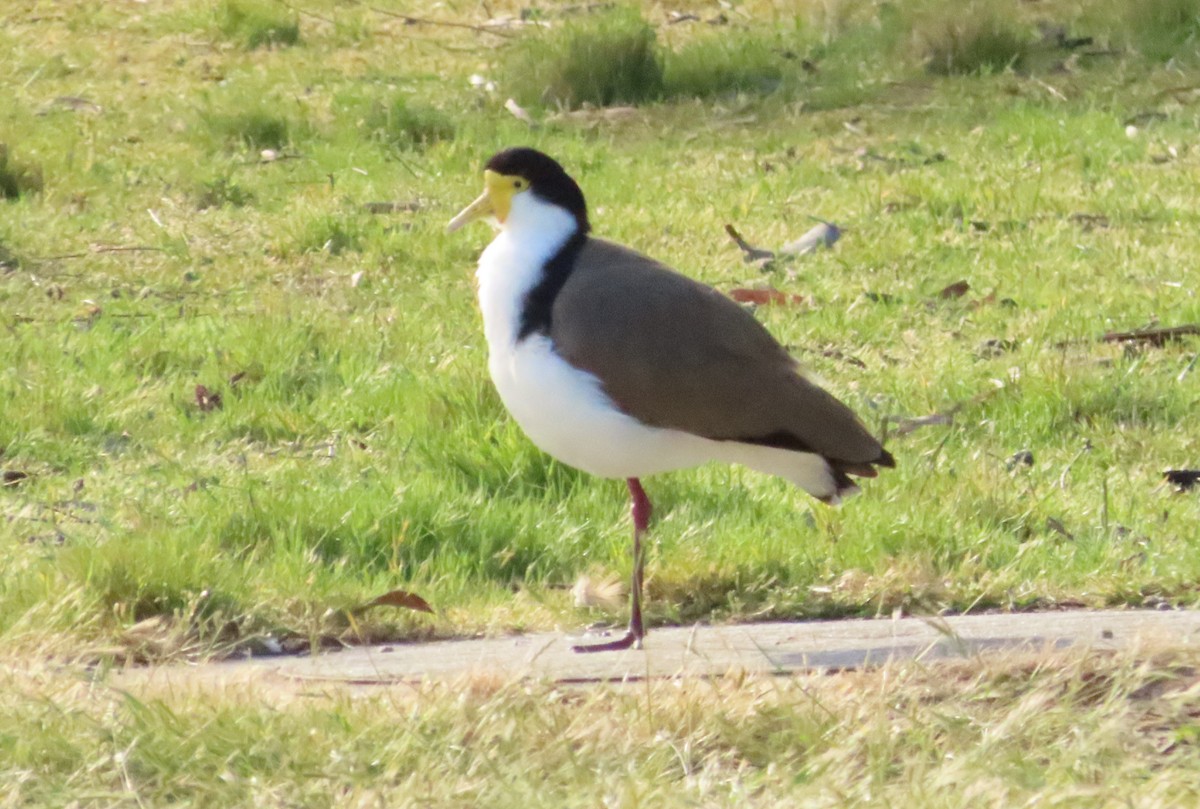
(1020, 458)
(1183, 479)
(994, 347)
(207, 400)
(1054, 524)
(986, 300)
(835, 354)
(400, 598)
(11, 477)
(955, 290)
(766, 297)
(88, 313)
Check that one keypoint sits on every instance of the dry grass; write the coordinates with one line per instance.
(1002, 730)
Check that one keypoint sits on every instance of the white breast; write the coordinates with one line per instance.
(563, 409)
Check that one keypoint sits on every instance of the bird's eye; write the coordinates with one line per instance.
(518, 184)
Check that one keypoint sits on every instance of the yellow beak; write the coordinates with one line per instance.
(478, 209)
(496, 200)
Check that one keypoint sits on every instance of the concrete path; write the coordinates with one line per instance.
(768, 648)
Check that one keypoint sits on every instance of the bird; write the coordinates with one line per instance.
(617, 365)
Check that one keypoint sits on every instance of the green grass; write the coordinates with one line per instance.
(255, 129)
(258, 23)
(724, 64)
(1163, 29)
(360, 446)
(219, 191)
(979, 37)
(403, 124)
(610, 58)
(17, 178)
(153, 246)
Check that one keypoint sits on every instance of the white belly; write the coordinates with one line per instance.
(566, 413)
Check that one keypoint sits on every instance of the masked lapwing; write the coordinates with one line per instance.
(617, 365)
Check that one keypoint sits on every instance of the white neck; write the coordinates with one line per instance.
(512, 264)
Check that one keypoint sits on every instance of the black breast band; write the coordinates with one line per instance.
(539, 303)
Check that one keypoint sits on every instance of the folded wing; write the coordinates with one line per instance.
(675, 353)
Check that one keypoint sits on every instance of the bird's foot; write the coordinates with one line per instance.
(629, 641)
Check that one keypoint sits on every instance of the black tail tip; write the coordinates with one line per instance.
(885, 459)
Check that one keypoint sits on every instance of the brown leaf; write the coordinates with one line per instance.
(835, 354)
(400, 598)
(955, 290)
(207, 400)
(995, 346)
(1056, 525)
(88, 314)
(11, 477)
(1019, 458)
(986, 300)
(766, 297)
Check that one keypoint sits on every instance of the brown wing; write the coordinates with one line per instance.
(675, 353)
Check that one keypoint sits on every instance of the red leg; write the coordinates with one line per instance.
(641, 509)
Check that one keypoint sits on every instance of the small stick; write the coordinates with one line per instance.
(1155, 336)
(1187, 369)
(411, 20)
(752, 253)
(1062, 479)
(307, 13)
